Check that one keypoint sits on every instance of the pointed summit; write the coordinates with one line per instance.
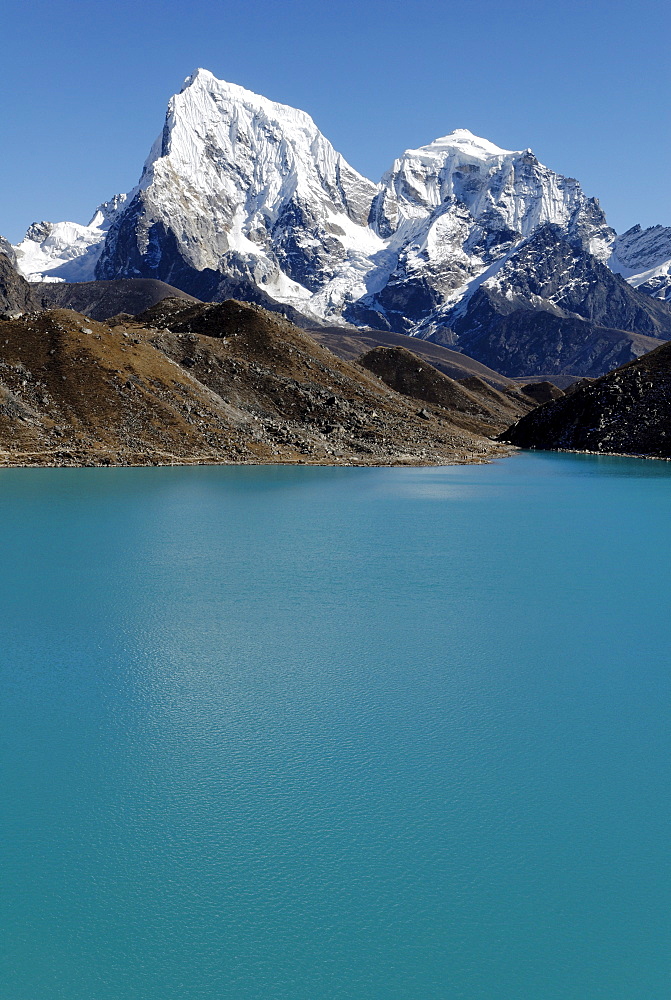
(240, 185)
(199, 76)
(202, 87)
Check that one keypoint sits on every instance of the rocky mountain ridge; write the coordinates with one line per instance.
(552, 308)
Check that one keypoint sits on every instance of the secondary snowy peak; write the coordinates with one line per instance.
(461, 138)
(503, 190)
(66, 251)
(452, 209)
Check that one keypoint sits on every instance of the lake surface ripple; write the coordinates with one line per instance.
(305, 734)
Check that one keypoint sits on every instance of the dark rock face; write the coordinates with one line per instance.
(550, 309)
(101, 299)
(15, 294)
(400, 305)
(555, 309)
(302, 249)
(138, 247)
(550, 268)
(626, 412)
(417, 282)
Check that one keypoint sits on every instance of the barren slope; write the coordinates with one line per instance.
(204, 383)
(408, 374)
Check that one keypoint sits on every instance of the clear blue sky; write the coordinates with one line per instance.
(585, 84)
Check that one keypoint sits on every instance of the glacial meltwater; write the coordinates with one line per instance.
(289, 733)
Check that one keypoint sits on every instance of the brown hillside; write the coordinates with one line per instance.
(411, 376)
(350, 343)
(208, 383)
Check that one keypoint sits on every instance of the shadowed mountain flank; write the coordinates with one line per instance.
(15, 292)
(101, 299)
(626, 412)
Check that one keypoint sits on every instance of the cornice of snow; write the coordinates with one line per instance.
(464, 141)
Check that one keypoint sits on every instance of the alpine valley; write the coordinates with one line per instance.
(473, 247)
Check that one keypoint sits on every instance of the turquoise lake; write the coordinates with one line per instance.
(284, 733)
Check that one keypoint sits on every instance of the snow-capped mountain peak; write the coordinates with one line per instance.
(257, 154)
(502, 189)
(252, 187)
(203, 81)
(244, 196)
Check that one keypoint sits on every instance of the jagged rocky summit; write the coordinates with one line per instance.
(462, 242)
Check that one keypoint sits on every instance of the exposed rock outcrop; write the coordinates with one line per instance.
(626, 412)
(15, 293)
(553, 309)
